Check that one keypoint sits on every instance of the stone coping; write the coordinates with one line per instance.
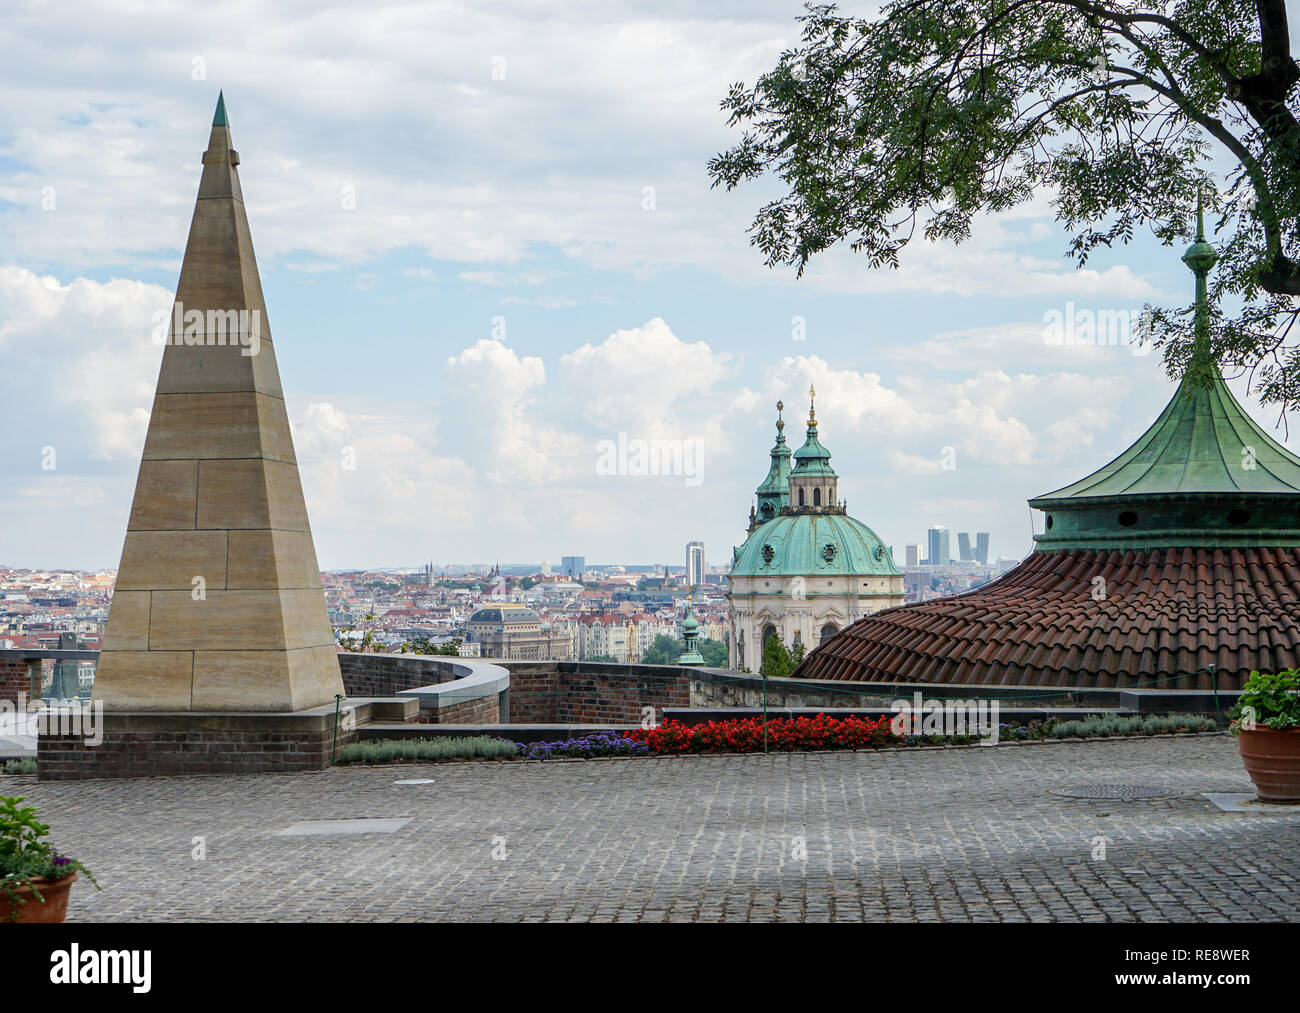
(472, 679)
(1147, 701)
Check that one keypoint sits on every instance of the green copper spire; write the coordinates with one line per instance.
(1200, 257)
(774, 493)
(812, 458)
(219, 117)
(1204, 474)
(690, 632)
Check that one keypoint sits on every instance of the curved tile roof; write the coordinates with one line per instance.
(1164, 615)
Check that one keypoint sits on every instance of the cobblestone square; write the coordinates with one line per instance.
(970, 835)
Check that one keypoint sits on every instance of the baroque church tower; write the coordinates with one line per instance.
(807, 569)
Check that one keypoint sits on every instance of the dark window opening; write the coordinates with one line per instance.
(1128, 518)
(1238, 517)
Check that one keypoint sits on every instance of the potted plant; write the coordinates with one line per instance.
(34, 878)
(1266, 721)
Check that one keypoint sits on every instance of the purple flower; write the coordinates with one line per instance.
(60, 860)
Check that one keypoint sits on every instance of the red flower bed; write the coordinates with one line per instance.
(745, 735)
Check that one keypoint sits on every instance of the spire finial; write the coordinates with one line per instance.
(780, 422)
(812, 405)
(1200, 257)
(219, 117)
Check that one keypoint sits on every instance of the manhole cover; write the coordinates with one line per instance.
(1120, 792)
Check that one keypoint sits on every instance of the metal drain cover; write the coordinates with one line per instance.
(1120, 792)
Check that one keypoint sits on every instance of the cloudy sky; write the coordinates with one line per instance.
(488, 244)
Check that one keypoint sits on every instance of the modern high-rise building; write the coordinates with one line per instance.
(573, 566)
(940, 553)
(979, 553)
(913, 554)
(694, 564)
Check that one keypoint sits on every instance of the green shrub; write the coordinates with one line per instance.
(1271, 700)
(23, 766)
(442, 747)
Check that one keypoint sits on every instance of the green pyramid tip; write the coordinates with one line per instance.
(219, 118)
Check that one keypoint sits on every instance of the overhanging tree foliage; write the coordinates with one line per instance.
(934, 111)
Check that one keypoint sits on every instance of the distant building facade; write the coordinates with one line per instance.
(573, 566)
(514, 632)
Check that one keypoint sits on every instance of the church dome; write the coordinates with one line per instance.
(809, 544)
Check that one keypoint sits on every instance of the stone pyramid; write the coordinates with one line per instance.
(218, 604)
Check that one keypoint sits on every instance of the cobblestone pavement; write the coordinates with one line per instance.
(902, 835)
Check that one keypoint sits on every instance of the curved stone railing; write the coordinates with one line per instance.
(448, 689)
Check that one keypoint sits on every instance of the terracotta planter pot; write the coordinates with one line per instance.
(1272, 760)
(53, 892)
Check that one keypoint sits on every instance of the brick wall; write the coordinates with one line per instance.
(582, 693)
(15, 680)
(145, 746)
(486, 710)
(534, 693)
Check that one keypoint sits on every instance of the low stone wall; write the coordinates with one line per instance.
(716, 688)
(167, 744)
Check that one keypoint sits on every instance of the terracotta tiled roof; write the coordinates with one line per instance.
(1158, 619)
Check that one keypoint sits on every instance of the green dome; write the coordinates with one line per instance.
(809, 544)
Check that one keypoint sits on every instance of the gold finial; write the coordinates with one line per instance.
(812, 405)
